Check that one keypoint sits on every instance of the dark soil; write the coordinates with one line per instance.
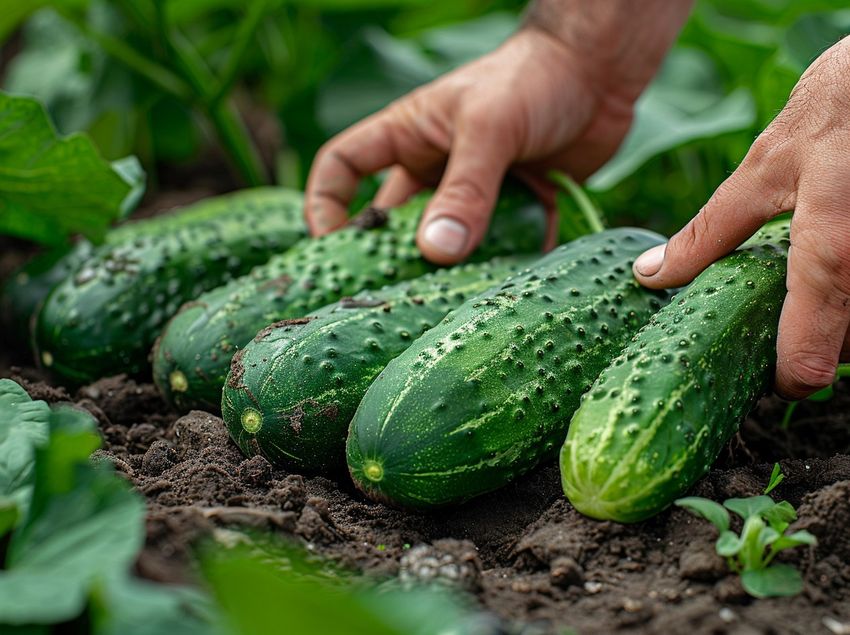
(523, 552)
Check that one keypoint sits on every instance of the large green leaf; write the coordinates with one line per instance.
(14, 12)
(80, 534)
(83, 524)
(51, 187)
(684, 104)
(23, 426)
(272, 587)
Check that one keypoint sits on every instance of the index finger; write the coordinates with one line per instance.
(365, 148)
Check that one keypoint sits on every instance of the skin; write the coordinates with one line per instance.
(560, 94)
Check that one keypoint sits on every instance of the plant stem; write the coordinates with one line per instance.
(231, 130)
(789, 412)
(589, 210)
(237, 142)
(127, 55)
(244, 39)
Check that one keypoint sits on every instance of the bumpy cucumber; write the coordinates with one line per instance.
(659, 415)
(292, 391)
(103, 319)
(30, 284)
(192, 357)
(27, 288)
(486, 395)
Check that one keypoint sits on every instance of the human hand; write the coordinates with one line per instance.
(801, 162)
(549, 98)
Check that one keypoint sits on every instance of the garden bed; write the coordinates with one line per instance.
(522, 551)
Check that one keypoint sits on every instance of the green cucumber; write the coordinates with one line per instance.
(292, 391)
(28, 286)
(192, 357)
(659, 415)
(486, 395)
(103, 319)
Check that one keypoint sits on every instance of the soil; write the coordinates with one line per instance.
(523, 553)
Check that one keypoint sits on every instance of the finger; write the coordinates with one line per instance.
(399, 186)
(762, 187)
(457, 217)
(816, 312)
(363, 149)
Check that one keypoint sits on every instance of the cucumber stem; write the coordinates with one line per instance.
(591, 212)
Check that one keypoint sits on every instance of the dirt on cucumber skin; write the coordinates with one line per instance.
(524, 553)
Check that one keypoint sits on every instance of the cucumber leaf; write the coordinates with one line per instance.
(79, 528)
(778, 580)
(708, 509)
(82, 524)
(780, 515)
(729, 544)
(52, 187)
(750, 506)
(796, 539)
(23, 426)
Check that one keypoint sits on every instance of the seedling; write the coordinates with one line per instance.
(762, 537)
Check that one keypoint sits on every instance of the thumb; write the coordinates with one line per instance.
(741, 205)
(459, 213)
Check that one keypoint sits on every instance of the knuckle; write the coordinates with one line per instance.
(801, 373)
(824, 268)
(466, 194)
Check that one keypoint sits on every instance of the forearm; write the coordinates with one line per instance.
(623, 41)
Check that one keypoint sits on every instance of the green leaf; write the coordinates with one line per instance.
(23, 427)
(780, 515)
(52, 187)
(125, 606)
(750, 506)
(778, 580)
(767, 536)
(8, 515)
(257, 597)
(796, 539)
(776, 477)
(84, 524)
(708, 509)
(728, 544)
(131, 170)
(675, 110)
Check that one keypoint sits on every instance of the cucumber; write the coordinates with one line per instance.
(486, 395)
(26, 289)
(292, 391)
(659, 415)
(192, 357)
(103, 319)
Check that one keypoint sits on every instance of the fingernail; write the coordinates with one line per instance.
(650, 261)
(447, 235)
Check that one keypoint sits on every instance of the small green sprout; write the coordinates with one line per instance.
(762, 537)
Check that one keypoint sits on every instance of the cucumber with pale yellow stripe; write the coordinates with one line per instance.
(293, 390)
(659, 415)
(487, 393)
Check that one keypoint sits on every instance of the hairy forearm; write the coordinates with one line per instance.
(623, 41)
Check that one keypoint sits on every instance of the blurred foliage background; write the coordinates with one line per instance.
(246, 91)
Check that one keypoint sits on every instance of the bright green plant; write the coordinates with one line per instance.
(763, 536)
(53, 186)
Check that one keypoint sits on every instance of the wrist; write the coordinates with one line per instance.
(620, 49)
